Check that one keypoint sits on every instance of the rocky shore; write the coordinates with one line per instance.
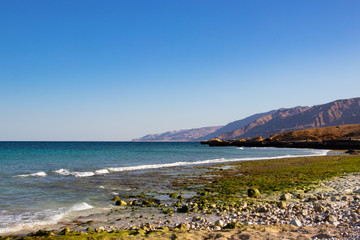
(259, 142)
(328, 209)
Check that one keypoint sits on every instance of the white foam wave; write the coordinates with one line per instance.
(218, 160)
(177, 164)
(101, 171)
(67, 172)
(37, 174)
(29, 221)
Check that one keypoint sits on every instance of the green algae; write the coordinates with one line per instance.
(269, 176)
(228, 187)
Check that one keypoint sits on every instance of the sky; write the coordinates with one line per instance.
(115, 70)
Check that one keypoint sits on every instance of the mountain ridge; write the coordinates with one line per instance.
(338, 112)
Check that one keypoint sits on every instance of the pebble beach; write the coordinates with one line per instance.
(329, 209)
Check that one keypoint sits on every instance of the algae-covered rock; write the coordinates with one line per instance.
(183, 226)
(253, 193)
(140, 232)
(65, 231)
(42, 233)
(173, 195)
(202, 193)
(167, 211)
(232, 225)
(184, 209)
(180, 197)
(121, 203)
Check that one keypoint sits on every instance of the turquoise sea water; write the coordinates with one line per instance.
(46, 182)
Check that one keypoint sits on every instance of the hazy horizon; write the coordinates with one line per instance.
(119, 70)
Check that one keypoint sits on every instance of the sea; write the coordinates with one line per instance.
(45, 183)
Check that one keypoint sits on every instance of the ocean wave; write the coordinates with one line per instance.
(37, 174)
(104, 171)
(211, 161)
(67, 172)
(29, 221)
(101, 171)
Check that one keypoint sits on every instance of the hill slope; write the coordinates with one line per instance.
(338, 112)
(235, 125)
(342, 132)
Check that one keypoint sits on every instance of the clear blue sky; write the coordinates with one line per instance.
(117, 70)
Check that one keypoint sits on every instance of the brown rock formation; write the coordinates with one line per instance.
(283, 120)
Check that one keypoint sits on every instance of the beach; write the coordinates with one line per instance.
(325, 205)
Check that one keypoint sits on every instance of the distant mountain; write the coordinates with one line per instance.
(178, 136)
(339, 112)
(235, 125)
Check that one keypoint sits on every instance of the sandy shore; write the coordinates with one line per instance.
(329, 209)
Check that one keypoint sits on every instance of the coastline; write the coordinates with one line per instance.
(210, 212)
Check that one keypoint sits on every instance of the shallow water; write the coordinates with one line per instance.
(44, 182)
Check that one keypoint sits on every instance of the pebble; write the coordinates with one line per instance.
(296, 222)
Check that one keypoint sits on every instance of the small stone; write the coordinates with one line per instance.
(180, 197)
(285, 197)
(262, 209)
(281, 204)
(217, 228)
(253, 193)
(348, 191)
(312, 199)
(219, 223)
(333, 198)
(319, 208)
(296, 222)
(173, 195)
(183, 226)
(100, 229)
(345, 198)
(300, 196)
(121, 203)
(184, 209)
(330, 218)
